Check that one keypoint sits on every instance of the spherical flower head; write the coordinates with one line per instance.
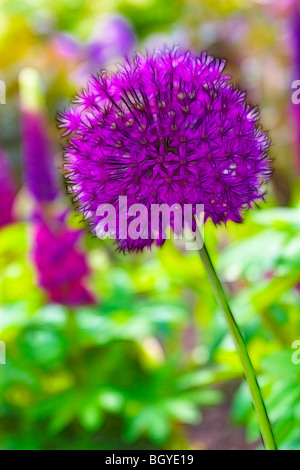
(168, 128)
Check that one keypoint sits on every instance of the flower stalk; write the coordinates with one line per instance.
(258, 402)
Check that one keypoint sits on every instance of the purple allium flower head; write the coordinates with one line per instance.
(165, 128)
(61, 265)
(7, 191)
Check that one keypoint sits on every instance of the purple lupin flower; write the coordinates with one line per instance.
(165, 128)
(296, 37)
(40, 173)
(61, 265)
(39, 169)
(7, 191)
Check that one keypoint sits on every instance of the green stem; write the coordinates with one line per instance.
(76, 360)
(249, 372)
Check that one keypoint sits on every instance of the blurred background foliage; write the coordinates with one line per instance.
(141, 357)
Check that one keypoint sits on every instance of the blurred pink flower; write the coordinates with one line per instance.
(66, 46)
(61, 265)
(281, 6)
(113, 37)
